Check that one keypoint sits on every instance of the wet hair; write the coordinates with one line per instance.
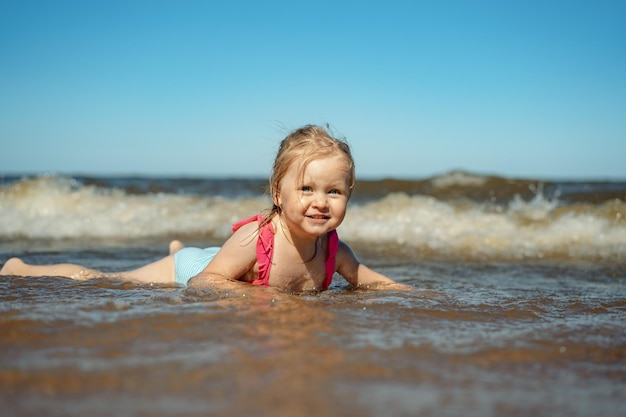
(302, 146)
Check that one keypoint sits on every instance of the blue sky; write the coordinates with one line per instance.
(513, 88)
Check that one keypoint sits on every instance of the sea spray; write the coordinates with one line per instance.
(458, 225)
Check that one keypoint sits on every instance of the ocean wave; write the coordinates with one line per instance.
(59, 208)
(541, 227)
(536, 229)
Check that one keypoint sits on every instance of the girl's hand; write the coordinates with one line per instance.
(386, 286)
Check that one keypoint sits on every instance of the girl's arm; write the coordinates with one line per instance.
(236, 258)
(359, 275)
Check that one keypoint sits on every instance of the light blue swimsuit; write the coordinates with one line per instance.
(190, 261)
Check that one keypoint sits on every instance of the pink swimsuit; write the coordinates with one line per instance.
(265, 251)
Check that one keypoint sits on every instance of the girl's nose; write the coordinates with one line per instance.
(320, 200)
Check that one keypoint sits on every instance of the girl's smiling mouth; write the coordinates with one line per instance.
(318, 217)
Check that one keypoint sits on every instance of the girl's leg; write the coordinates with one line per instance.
(175, 246)
(161, 271)
(15, 266)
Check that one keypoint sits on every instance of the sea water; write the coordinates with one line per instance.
(519, 305)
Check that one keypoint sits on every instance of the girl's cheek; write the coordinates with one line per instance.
(302, 199)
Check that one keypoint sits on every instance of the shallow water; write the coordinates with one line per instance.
(473, 339)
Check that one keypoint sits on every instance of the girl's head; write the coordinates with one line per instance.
(303, 146)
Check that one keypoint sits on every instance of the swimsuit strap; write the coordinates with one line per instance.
(264, 247)
(333, 246)
(265, 251)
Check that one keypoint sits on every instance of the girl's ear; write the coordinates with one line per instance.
(276, 197)
(277, 201)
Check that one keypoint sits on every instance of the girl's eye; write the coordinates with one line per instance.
(306, 189)
(334, 192)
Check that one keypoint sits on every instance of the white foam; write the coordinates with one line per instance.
(57, 207)
(523, 230)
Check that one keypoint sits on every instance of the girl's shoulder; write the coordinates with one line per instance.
(344, 254)
(257, 220)
(343, 246)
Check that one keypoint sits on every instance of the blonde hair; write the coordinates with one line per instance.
(304, 145)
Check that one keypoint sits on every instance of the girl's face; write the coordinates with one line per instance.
(315, 203)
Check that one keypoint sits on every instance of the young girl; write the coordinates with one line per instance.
(295, 247)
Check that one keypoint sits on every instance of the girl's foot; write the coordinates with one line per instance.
(12, 267)
(175, 246)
